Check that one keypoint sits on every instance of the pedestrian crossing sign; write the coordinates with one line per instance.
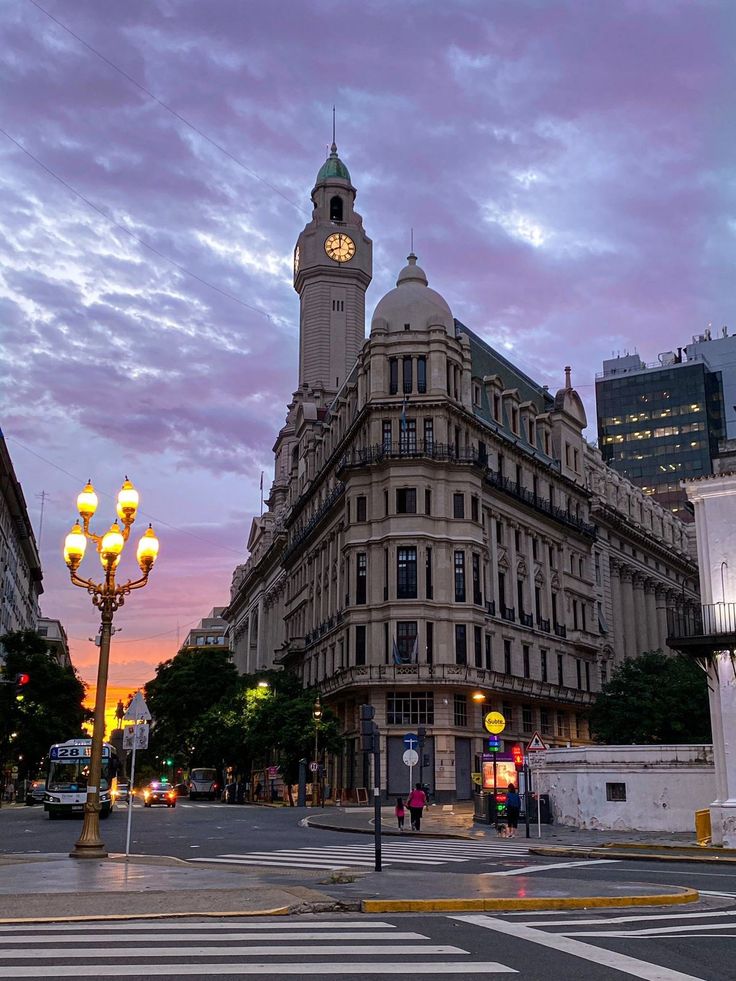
(535, 744)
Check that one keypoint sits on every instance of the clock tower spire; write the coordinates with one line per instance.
(333, 266)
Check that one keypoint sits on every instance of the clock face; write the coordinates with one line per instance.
(296, 260)
(340, 247)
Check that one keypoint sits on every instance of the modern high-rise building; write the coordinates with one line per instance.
(439, 538)
(663, 422)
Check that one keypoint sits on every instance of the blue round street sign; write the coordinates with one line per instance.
(411, 740)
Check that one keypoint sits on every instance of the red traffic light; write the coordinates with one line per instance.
(517, 754)
(22, 679)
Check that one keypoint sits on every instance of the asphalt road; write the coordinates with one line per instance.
(665, 945)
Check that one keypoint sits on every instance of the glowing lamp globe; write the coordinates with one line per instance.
(127, 502)
(111, 547)
(87, 501)
(147, 550)
(75, 545)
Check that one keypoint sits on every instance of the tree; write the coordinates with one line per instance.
(184, 689)
(654, 698)
(51, 710)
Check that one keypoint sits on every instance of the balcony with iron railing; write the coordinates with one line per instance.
(702, 630)
(466, 675)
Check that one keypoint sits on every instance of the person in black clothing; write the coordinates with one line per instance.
(513, 806)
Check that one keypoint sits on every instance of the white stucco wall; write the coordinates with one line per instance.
(665, 785)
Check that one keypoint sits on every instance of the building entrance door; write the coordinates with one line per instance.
(463, 781)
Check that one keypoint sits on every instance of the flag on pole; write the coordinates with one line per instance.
(402, 417)
(415, 652)
(397, 656)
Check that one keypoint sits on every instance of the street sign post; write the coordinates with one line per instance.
(411, 758)
(138, 713)
(314, 766)
(536, 748)
(411, 740)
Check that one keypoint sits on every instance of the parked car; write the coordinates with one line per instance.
(159, 793)
(35, 792)
(181, 790)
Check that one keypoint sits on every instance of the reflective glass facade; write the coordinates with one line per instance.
(657, 427)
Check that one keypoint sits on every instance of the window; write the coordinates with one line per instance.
(430, 641)
(458, 505)
(360, 509)
(616, 791)
(477, 595)
(507, 656)
(360, 644)
(428, 573)
(597, 568)
(525, 656)
(461, 649)
(563, 725)
(489, 661)
(427, 501)
(387, 436)
(385, 574)
(502, 590)
(386, 649)
(560, 675)
(459, 577)
(482, 453)
(587, 676)
(476, 394)
(421, 375)
(408, 441)
(406, 573)
(508, 714)
(544, 721)
(499, 532)
(410, 708)
(604, 673)
(406, 500)
(407, 641)
(543, 661)
(393, 385)
(474, 508)
(461, 711)
(527, 724)
(428, 434)
(578, 668)
(497, 408)
(407, 375)
(478, 646)
(361, 575)
(336, 208)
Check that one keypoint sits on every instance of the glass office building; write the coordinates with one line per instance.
(660, 424)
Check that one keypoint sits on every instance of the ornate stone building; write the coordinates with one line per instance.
(438, 528)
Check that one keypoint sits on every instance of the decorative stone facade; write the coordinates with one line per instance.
(439, 528)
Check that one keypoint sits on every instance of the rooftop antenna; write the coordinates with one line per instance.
(412, 242)
(43, 497)
(333, 126)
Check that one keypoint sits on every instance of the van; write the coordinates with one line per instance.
(203, 783)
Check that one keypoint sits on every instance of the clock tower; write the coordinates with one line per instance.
(333, 266)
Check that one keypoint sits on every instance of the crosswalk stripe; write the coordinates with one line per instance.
(325, 935)
(142, 926)
(265, 969)
(276, 863)
(348, 856)
(284, 950)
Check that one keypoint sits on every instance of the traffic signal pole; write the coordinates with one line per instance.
(370, 745)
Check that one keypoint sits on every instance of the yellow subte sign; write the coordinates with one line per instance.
(494, 722)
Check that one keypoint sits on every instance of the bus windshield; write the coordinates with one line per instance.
(72, 774)
(201, 774)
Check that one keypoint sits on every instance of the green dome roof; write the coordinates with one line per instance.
(333, 167)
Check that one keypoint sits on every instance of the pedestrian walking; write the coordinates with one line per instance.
(513, 806)
(400, 813)
(416, 803)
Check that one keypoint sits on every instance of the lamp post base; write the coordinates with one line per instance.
(89, 844)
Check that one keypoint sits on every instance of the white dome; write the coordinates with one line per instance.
(412, 302)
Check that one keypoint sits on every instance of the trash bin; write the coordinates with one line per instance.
(483, 808)
(545, 812)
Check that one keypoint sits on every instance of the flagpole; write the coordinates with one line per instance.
(261, 493)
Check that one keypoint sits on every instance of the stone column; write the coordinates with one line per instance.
(641, 638)
(714, 499)
(617, 614)
(661, 604)
(651, 616)
(627, 591)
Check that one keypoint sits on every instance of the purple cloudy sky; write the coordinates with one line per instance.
(566, 166)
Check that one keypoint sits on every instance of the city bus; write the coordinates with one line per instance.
(66, 782)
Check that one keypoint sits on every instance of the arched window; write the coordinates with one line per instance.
(336, 208)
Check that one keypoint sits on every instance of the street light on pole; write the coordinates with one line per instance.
(317, 716)
(107, 596)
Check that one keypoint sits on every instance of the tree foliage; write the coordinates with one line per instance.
(654, 698)
(51, 710)
(184, 689)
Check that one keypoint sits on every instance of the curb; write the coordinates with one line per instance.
(312, 823)
(614, 851)
(122, 917)
(540, 903)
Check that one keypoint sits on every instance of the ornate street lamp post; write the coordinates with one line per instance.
(317, 716)
(107, 596)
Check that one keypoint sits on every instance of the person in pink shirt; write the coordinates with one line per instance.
(400, 813)
(416, 802)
